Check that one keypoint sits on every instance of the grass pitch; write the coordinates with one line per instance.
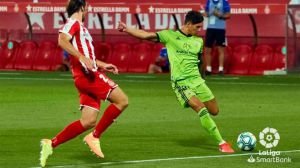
(154, 131)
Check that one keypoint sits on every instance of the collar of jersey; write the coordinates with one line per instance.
(184, 34)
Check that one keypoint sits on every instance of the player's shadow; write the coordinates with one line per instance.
(197, 142)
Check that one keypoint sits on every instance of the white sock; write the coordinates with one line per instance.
(208, 68)
(221, 68)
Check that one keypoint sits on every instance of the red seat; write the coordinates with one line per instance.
(102, 51)
(16, 35)
(139, 61)
(26, 55)
(215, 59)
(240, 61)
(45, 56)
(8, 54)
(58, 59)
(155, 51)
(3, 35)
(120, 56)
(261, 60)
(279, 59)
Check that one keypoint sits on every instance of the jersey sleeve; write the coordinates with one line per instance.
(70, 28)
(163, 36)
(226, 6)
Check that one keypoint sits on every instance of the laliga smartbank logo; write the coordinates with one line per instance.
(269, 138)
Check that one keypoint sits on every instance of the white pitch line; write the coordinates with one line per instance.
(38, 79)
(165, 159)
(224, 78)
(139, 76)
(157, 81)
(12, 73)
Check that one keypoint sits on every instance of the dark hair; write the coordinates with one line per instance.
(194, 17)
(74, 6)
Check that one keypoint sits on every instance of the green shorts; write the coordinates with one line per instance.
(185, 89)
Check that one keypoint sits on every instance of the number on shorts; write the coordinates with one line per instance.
(103, 78)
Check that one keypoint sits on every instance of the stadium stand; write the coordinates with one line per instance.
(261, 60)
(102, 51)
(120, 56)
(58, 59)
(8, 54)
(240, 60)
(26, 55)
(140, 59)
(16, 35)
(279, 59)
(3, 35)
(155, 51)
(45, 56)
(215, 59)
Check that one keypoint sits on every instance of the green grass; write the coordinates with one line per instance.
(35, 105)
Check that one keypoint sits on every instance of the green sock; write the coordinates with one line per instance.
(209, 125)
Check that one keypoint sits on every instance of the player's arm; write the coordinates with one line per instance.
(64, 43)
(141, 34)
(108, 67)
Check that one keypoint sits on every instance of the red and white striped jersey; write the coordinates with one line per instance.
(82, 41)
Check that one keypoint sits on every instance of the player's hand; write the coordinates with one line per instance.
(122, 26)
(111, 68)
(88, 62)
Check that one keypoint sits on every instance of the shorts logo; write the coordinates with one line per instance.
(269, 137)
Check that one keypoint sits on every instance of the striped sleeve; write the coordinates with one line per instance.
(70, 28)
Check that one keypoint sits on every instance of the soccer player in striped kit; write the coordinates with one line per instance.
(93, 86)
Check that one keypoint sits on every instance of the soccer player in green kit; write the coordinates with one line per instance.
(185, 49)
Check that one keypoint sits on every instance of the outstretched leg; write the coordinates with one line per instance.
(88, 120)
(208, 123)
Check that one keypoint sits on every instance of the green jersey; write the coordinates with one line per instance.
(183, 54)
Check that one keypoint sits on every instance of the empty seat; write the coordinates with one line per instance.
(16, 35)
(3, 35)
(139, 61)
(8, 54)
(120, 56)
(26, 55)
(261, 60)
(155, 51)
(279, 59)
(215, 59)
(45, 56)
(58, 59)
(102, 51)
(240, 60)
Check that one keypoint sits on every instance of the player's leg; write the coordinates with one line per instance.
(88, 120)
(208, 124)
(221, 43)
(154, 69)
(119, 102)
(206, 121)
(212, 107)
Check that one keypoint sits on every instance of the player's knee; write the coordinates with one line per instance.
(214, 111)
(123, 103)
(89, 123)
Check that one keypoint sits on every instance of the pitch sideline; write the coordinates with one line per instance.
(165, 159)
